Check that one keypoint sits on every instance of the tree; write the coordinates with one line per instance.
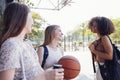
(116, 35)
(37, 33)
(2, 7)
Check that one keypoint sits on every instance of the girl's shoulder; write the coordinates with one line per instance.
(40, 49)
(104, 38)
(10, 42)
(10, 57)
(100, 40)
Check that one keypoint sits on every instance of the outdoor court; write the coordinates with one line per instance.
(84, 56)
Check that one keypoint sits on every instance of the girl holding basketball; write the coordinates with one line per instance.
(53, 36)
(101, 48)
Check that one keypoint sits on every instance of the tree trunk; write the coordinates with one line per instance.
(2, 7)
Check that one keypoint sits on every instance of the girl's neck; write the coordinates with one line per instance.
(21, 36)
(98, 35)
(53, 46)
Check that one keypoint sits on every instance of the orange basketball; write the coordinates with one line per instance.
(71, 66)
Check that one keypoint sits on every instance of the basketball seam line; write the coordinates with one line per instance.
(70, 69)
(72, 60)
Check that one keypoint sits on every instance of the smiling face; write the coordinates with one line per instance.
(94, 27)
(58, 34)
(52, 32)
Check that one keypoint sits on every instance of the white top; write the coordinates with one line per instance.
(98, 74)
(53, 57)
(10, 58)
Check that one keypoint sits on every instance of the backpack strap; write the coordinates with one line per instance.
(45, 55)
(115, 48)
(94, 68)
(93, 63)
(110, 39)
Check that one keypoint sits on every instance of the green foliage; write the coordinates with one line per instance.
(116, 35)
(29, 3)
(37, 34)
(37, 19)
(36, 15)
(82, 31)
(82, 34)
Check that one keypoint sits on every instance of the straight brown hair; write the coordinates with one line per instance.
(14, 20)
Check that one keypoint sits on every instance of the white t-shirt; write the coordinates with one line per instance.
(53, 57)
(10, 58)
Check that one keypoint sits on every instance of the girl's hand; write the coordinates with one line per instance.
(55, 74)
(92, 48)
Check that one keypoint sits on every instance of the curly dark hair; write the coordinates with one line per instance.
(104, 25)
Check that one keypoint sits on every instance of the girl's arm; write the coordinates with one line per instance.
(7, 74)
(51, 74)
(40, 54)
(108, 54)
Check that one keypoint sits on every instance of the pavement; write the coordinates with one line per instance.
(85, 59)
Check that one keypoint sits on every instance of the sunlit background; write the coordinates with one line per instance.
(73, 17)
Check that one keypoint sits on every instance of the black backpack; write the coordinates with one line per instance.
(45, 55)
(111, 68)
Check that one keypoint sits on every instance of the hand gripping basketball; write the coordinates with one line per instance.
(71, 66)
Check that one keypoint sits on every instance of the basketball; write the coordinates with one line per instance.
(71, 66)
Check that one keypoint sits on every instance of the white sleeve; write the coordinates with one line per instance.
(9, 56)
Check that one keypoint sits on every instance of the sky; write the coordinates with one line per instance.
(77, 12)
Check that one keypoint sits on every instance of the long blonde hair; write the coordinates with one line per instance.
(50, 33)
